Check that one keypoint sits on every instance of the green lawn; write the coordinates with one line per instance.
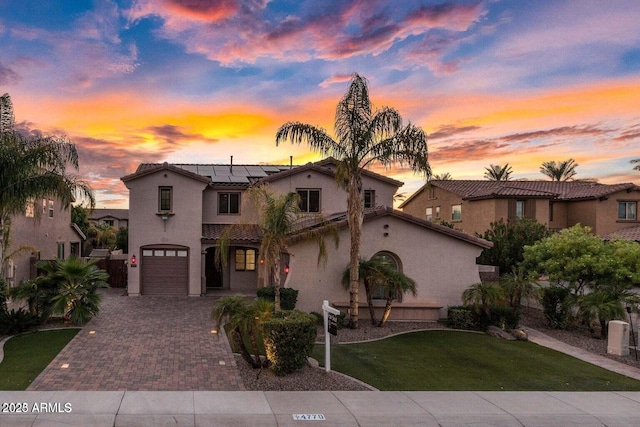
(25, 356)
(449, 360)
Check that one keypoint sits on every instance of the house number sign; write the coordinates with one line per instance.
(309, 417)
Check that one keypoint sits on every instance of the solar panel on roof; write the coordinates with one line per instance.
(240, 171)
(190, 168)
(242, 179)
(268, 168)
(206, 170)
(221, 170)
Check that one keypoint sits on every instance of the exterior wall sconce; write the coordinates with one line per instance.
(286, 269)
(134, 261)
(261, 261)
(386, 234)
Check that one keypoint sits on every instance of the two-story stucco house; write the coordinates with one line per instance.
(472, 205)
(114, 218)
(178, 212)
(51, 236)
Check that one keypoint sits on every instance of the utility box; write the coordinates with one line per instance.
(618, 342)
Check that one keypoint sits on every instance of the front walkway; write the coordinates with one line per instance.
(145, 343)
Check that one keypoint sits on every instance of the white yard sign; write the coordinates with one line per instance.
(326, 310)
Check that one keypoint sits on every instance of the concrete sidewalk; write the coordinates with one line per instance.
(323, 408)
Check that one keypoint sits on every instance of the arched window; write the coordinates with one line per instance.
(392, 261)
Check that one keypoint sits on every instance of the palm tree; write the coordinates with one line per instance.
(562, 171)
(498, 173)
(363, 137)
(278, 217)
(482, 296)
(637, 166)
(77, 283)
(244, 318)
(442, 177)
(395, 284)
(371, 274)
(32, 168)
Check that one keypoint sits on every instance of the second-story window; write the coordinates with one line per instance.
(519, 209)
(164, 199)
(627, 211)
(30, 209)
(228, 203)
(429, 214)
(369, 198)
(50, 208)
(309, 200)
(437, 212)
(456, 213)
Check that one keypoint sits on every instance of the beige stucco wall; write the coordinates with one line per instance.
(44, 235)
(442, 266)
(607, 212)
(184, 227)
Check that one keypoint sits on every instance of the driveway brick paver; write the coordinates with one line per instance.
(145, 343)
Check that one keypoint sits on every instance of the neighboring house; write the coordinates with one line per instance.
(472, 205)
(115, 218)
(178, 212)
(53, 235)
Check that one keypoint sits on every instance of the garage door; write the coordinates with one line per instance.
(165, 271)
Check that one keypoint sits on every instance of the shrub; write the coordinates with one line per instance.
(288, 296)
(16, 321)
(288, 340)
(460, 317)
(465, 317)
(3, 294)
(555, 306)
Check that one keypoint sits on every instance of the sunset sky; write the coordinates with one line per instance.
(195, 81)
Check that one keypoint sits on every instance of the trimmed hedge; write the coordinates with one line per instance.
(460, 317)
(288, 340)
(288, 296)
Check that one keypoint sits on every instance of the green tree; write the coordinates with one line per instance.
(371, 274)
(394, 285)
(32, 168)
(509, 240)
(561, 171)
(482, 296)
(599, 276)
(243, 318)
(278, 216)
(363, 136)
(446, 176)
(80, 217)
(122, 239)
(77, 283)
(498, 173)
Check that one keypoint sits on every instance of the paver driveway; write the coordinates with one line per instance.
(145, 343)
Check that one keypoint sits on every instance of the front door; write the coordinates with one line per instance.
(212, 271)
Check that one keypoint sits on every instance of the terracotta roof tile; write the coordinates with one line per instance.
(248, 233)
(630, 233)
(568, 190)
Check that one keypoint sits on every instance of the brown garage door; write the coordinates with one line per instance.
(165, 271)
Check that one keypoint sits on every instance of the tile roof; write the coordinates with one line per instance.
(249, 233)
(629, 233)
(567, 190)
(340, 221)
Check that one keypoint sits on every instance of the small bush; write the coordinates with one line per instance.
(288, 296)
(17, 321)
(319, 318)
(460, 317)
(288, 340)
(4, 289)
(464, 317)
(555, 306)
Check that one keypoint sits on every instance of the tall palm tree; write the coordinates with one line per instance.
(363, 137)
(278, 217)
(32, 168)
(442, 177)
(561, 171)
(498, 173)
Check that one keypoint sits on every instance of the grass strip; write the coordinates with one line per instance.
(25, 356)
(451, 360)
